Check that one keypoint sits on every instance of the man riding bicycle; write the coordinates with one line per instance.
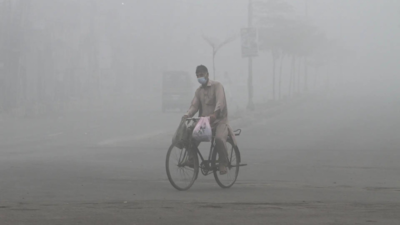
(210, 101)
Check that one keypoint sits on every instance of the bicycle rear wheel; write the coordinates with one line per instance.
(180, 175)
(228, 179)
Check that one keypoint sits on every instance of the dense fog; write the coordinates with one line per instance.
(55, 54)
(93, 91)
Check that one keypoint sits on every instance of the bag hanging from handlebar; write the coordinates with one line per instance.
(202, 131)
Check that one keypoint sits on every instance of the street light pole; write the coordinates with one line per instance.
(250, 104)
(216, 47)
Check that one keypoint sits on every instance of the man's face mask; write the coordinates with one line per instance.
(202, 77)
(202, 80)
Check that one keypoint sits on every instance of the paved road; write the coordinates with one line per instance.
(331, 161)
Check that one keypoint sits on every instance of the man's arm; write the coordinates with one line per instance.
(220, 103)
(220, 100)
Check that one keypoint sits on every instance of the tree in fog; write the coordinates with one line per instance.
(273, 15)
(285, 35)
(307, 39)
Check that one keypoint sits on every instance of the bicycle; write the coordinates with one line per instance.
(186, 175)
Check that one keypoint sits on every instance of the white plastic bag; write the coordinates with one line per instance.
(202, 131)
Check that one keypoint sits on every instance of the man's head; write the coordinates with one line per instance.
(202, 74)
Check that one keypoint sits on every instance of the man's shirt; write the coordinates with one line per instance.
(209, 99)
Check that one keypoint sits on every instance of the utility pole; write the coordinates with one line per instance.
(250, 104)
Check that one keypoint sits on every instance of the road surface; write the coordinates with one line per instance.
(327, 161)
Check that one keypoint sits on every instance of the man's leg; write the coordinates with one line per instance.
(189, 161)
(221, 135)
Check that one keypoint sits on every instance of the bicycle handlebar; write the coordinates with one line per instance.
(236, 132)
(193, 118)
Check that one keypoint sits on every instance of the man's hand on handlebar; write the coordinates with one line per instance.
(213, 117)
(184, 117)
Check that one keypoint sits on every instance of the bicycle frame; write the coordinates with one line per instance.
(210, 154)
(205, 165)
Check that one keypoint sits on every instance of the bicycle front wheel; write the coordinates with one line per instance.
(233, 159)
(180, 173)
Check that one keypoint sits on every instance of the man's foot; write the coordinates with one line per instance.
(223, 169)
(188, 162)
